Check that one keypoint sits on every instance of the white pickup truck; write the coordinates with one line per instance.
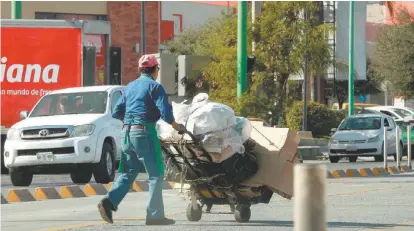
(68, 131)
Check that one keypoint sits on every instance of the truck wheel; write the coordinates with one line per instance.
(81, 176)
(4, 170)
(334, 159)
(104, 171)
(20, 177)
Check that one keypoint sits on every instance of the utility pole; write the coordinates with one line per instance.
(305, 81)
(351, 59)
(16, 9)
(143, 28)
(242, 48)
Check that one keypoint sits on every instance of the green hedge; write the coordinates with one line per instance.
(320, 118)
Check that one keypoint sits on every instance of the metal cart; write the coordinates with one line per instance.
(188, 163)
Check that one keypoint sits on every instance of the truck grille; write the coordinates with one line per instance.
(33, 152)
(45, 133)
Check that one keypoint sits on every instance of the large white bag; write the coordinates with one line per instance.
(206, 116)
(181, 112)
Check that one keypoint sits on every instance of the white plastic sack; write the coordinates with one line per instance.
(210, 117)
(181, 112)
(225, 142)
(166, 131)
(243, 128)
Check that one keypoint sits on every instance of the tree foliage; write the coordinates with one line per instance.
(393, 60)
(280, 48)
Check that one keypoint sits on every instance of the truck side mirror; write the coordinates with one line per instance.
(23, 115)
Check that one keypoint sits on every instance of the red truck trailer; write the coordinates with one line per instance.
(38, 56)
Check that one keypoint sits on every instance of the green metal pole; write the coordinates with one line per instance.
(16, 9)
(351, 59)
(242, 48)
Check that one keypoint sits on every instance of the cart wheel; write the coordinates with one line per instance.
(242, 213)
(192, 214)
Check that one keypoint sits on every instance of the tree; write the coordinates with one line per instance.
(362, 87)
(280, 37)
(394, 56)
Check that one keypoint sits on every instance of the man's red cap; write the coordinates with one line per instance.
(147, 61)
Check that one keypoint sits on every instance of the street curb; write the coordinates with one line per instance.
(94, 189)
(72, 191)
(19, 195)
(47, 193)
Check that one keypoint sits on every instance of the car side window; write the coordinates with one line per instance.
(114, 99)
(386, 123)
(388, 113)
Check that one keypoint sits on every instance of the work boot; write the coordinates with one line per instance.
(162, 221)
(105, 209)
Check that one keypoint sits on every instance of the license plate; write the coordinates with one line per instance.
(45, 156)
(351, 148)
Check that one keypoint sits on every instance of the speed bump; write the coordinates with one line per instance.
(405, 168)
(19, 195)
(379, 171)
(338, 173)
(352, 173)
(364, 172)
(329, 175)
(136, 187)
(71, 191)
(3, 200)
(46, 193)
(393, 170)
(109, 185)
(95, 189)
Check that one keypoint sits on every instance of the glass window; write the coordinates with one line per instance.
(361, 123)
(71, 103)
(386, 123)
(66, 16)
(115, 97)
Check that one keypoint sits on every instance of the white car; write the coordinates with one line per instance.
(68, 131)
(363, 135)
(397, 113)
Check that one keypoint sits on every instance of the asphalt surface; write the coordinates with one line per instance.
(380, 203)
(64, 179)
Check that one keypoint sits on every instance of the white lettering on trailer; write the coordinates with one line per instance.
(14, 72)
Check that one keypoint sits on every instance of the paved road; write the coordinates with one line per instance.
(365, 204)
(64, 179)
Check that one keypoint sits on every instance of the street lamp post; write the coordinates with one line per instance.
(16, 9)
(351, 59)
(242, 48)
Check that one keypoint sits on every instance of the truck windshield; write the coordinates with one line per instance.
(361, 123)
(71, 103)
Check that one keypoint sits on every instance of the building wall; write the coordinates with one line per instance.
(186, 15)
(125, 19)
(29, 8)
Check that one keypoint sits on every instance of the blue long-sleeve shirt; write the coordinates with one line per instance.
(146, 99)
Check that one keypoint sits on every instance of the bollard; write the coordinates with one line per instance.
(310, 197)
(397, 146)
(385, 148)
(409, 145)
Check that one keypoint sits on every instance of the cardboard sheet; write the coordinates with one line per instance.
(276, 154)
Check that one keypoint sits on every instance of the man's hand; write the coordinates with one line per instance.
(179, 127)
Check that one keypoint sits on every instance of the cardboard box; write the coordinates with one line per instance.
(276, 156)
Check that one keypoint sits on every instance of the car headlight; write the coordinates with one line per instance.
(373, 139)
(333, 141)
(13, 134)
(82, 130)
